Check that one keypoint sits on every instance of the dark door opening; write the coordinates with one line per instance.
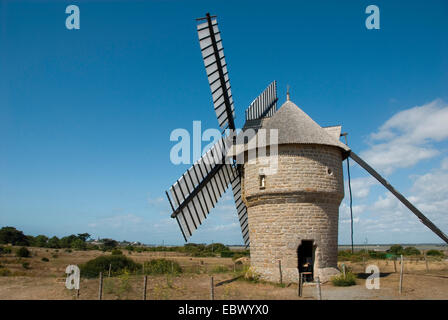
(305, 254)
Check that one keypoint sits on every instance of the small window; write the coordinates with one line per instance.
(329, 171)
(262, 181)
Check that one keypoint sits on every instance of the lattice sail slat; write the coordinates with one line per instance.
(212, 50)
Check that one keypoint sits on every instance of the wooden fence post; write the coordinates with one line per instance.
(401, 275)
(212, 289)
(319, 292)
(280, 270)
(145, 282)
(343, 269)
(300, 288)
(426, 262)
(110, 267)
(100, 289)
(395, 264)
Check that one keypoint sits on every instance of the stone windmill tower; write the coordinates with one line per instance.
(293, 214)
(289, 214)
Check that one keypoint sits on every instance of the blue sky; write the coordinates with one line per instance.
(86, 115)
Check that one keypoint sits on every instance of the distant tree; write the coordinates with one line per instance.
(84, 236)
(53, 243)
(40, 241)
(109, 244)
(78, 244)
(396, 249)
(434, 253)
(13, 236)
(411, 251)
(66, 242)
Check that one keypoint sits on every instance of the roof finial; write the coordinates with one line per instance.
(287, 92)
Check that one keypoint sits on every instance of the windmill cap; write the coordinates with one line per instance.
(296, 127)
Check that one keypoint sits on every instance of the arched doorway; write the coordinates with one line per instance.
(305, 255)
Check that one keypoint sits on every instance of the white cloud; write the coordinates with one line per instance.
(405, 139)
(360, 186)
(387, 218)
(234, 226)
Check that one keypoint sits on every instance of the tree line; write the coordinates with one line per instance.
(10, 235)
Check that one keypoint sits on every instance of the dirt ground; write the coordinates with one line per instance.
(46, 280)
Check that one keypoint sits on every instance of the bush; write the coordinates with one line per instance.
(118, 264)
(45, 259)
(396, 249)
(377, 254)
(68, 250)
(227, 254)
(116, 252)
(5, 250)
(161, 266)
(109, 244)
(23, 252)
(411, 251)
(341, 281)
(433, 252)
(250, 274)
(26, 265)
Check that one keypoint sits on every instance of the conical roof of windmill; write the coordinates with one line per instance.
(296, 127)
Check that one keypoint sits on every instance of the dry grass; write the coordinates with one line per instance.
(46, 280)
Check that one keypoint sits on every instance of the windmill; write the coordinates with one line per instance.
(291, 215)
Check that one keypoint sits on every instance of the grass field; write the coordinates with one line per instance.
(38, 279)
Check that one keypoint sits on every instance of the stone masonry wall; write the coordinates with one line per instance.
(299, 202)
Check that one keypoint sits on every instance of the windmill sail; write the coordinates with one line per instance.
(216, 68)
(198, 190)
(265, 105)
(240, 207)
(400, 197)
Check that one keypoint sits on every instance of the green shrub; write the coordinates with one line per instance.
(54, 256)
(129, 248)
(411, 251)
(26, 265)
(433, 252)
(161, 266)
(118, 264)
(23, 252)
(377, 254)
(116, 252)
(45, 259)
(5, 250)
(227, 254)
(341, 281)
(396, 249)
(68, 250)
(109, 244)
